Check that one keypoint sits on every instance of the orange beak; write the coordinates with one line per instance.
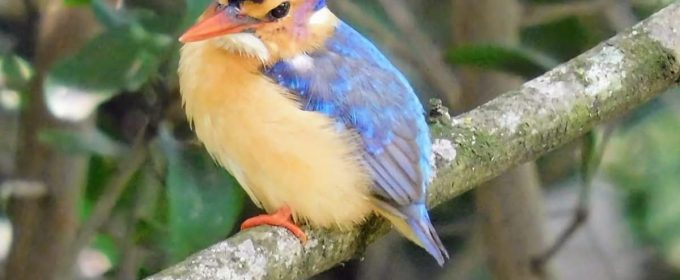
(217, 23)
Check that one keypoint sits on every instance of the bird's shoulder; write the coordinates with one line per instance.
(348, 70)
(351, 81)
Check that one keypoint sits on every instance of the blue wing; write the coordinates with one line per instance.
(353, 83)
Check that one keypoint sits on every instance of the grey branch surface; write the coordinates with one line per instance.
(545, 113)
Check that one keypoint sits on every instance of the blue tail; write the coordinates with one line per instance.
(414, 223)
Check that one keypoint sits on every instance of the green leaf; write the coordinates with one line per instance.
(77, 2)
(81, 142)
(107, 15)
(121, 59)
(204, 201)
(107, 246)
(495, 57)
(643, 161)
(15, 72)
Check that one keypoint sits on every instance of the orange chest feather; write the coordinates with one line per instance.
(279, 153)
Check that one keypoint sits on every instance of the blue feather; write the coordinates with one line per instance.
(352, 82)
(319, 5)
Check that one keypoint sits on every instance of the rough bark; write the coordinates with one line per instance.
(509, 206)
(603, 83)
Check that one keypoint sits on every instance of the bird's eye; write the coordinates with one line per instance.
(280, 11)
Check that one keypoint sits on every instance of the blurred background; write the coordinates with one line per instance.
(101, 177)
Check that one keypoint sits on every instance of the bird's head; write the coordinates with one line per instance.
(263, 29)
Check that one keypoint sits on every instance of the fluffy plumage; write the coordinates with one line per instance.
(327, 125)
(281, 155)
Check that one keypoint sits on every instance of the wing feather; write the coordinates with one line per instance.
(362, 91)
(390, 188)
(407, 166)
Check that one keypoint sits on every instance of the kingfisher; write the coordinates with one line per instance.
(314, 122)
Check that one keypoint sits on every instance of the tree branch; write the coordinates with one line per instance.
(519, 126)
(112, 192)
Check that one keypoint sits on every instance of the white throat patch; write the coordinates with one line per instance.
(323, 16)
(302, 62)
(245, 44)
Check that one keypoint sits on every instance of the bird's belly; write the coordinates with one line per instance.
(307, 166)
(280, 154)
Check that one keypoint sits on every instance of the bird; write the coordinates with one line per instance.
(311, 118)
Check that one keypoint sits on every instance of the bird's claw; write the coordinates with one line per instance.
(281, 218)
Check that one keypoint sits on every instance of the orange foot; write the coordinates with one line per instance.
(280, 218)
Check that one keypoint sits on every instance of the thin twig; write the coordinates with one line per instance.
(620, 17)
(578, 219)
(590, 162)
(112, 192)
(131, 253)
